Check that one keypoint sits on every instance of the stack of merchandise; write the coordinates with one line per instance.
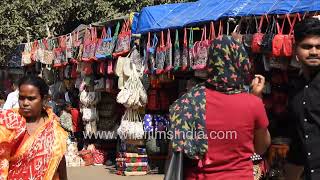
(134, 163)
(72, 156)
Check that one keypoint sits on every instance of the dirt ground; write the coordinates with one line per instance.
(103, 173)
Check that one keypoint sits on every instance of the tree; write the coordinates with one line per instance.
(20, 17)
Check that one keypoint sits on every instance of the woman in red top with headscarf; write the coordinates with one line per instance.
(234, 121)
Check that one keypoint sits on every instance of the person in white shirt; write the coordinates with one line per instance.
(12, 98)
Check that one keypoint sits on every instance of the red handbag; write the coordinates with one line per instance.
(288, 40)
(124, 39)
(153, 100)
(160, 56)
(87, 68)
(89, 45)
(257, 38)
(101, 68)
(277, 42)
(74, 73)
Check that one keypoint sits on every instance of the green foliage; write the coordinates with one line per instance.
(21, 16)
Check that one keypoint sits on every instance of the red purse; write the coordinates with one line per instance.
(124, 39)
(289, 39)
(257, 38)
(277, 42)
(87, 68)
(153, 100)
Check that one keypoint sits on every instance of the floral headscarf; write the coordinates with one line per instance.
(228, 66)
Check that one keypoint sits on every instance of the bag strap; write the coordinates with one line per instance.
(220, 33)
(116, 32)
(109, 33)
(280, 31)
(148, 43)
(93, 34)
(87, 36)
(292, 24)
(176, 43)
(168, 38)
(204, 33)
(104, 33)
(212, 35)
(185, 41)
(162, 40)
(155, 40)
(260, 25)
(191, 38)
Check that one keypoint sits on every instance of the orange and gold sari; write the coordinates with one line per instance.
(38, 156)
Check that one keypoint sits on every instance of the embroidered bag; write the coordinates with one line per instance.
(48, 54)
(185, 53)
(191, 49)
(59, 55)
(26, 55)
(101, 47)
(200, 51)
(257, 38)
(160, 56)
(151, 53)
(76, 53)
(124, 39)
(40, 52)
(177, 55)
(69, 42)
(111, 41)
(289, 39)
(89, 45)
(168, 58)
(277, 42)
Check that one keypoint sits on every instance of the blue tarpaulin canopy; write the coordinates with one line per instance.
(155, 18)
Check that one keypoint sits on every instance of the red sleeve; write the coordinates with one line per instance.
(260, 115)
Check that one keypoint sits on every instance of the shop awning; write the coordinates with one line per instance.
(155, 18)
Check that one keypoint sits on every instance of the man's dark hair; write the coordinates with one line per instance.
(306, 27)
(37, 82)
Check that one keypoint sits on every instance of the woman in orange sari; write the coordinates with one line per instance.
(32, 142)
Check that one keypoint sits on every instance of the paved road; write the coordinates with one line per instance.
(101, 173)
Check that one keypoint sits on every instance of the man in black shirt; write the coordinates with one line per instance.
(304, 102)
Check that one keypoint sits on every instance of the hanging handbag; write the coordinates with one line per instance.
(131, 126)
(288, 40)
(89, 45)
(168, 53)
(153, 100)
(99, 85)
(151, 53)
(185, 53)
(124, 39)
(177, 55)
(76, 53)
(191, 50)
(277, 42)
(47, 75)
(257, 38)
(160, 56)
(266, 44)
(40, 52)
(87, 68)
(101, 47)
(175, 168)
(111, 41)
(74, 73)
(200, 51)
(136, 59)
(69, 52)
(48, 53)
(34, 48)
(26, 55)
(60, 53)
(102, 68)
